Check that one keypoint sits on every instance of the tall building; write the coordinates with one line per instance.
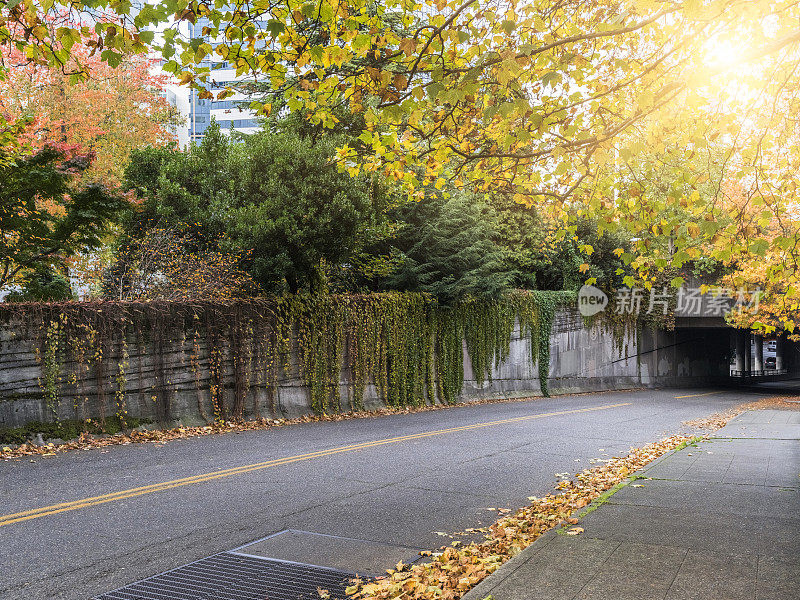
(198, 112)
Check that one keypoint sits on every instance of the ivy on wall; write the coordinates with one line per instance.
(405, 345)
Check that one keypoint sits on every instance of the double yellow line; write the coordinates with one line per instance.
(175, 483)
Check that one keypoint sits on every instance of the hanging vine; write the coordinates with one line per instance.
(403, 347)
(51, 367)
(120, 381)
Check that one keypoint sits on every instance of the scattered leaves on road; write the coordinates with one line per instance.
(456, 569)
(162, 436)
(719, 420)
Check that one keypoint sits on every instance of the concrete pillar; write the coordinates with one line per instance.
(779, 350)
(748, 354)
(758, 354)
(738, 341)
(740, 351)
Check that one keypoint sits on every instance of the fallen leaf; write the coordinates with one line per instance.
(575, 531)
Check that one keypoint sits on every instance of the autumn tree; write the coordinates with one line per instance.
(772, 275)
(47, 32)
(540, 101)
(10, 132)
(537, 100)
(45, 217)
(111, 112)
(160, 265)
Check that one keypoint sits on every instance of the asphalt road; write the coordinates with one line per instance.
(95, 520)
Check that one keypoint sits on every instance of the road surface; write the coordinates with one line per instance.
(82, 523)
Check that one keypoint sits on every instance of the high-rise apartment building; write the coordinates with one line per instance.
(198, 112)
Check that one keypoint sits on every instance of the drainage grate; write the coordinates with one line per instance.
(228, 576)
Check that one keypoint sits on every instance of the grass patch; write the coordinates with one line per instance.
(690, 442)
(603, 498)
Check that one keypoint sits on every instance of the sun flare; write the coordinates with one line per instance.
(723, 54)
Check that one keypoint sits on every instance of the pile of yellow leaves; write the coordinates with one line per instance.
(457, 568)
(715, 421)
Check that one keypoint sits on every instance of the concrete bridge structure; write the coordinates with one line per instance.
(742, 357)
(707, 344)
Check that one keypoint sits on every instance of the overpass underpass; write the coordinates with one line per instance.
(708, 350)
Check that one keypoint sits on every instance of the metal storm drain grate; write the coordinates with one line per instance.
(229, 576)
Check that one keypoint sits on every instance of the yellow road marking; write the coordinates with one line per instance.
(167, 485)
(698, 395)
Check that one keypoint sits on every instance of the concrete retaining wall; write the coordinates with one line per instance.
(582, 359)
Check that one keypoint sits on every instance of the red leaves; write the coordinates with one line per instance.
(114, 111)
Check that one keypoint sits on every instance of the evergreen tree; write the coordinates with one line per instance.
(42, 285)
(446, 249)
(299, 211)
(276, 200)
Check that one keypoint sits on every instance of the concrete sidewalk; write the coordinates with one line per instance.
(717, 521)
